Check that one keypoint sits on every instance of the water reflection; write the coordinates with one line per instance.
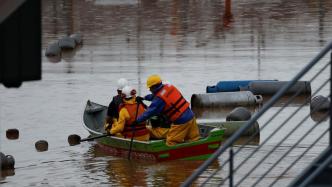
(124, 172)
(319, 116)
(6, 173)
(248, 140)
(218, 112)
(191, 43)
(221, 112)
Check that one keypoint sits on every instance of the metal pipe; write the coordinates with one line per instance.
(272, 87)
(225, 99)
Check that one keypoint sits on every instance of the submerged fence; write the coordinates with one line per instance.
(294, 135)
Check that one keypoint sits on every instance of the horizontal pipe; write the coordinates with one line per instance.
(272, 87)
(230, 86)
(225, 99)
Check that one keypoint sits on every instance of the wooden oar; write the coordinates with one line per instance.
(133, 133)
(75, 139)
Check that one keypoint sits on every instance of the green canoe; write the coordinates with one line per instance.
(154, 150)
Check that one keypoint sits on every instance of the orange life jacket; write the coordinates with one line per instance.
(140, 129)
(176, 104)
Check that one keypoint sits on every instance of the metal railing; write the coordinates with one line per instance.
(274, 159)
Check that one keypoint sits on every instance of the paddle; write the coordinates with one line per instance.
(75, 139)
(133, 134)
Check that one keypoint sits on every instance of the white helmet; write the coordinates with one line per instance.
(122, 83)
(127, 92)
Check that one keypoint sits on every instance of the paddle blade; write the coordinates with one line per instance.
(74, 139)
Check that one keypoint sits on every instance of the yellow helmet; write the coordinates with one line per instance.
(153, 80)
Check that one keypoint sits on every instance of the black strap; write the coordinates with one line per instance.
(173, 105)
(133, 134)
(177, 109)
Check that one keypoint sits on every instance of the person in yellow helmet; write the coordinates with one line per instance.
(167, 100)
(129, 110)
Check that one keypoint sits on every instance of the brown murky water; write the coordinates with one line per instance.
(190, 43)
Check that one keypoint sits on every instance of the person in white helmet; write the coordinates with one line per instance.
(129, 110)
(113, 107)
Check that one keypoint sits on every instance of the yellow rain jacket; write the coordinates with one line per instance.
(119, 126)
(158, 132)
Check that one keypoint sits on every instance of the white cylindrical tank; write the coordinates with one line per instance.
(225, 99)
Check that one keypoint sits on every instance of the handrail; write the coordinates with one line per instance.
(254, 118)
(271, 135)
(319, 138)
(319, 169)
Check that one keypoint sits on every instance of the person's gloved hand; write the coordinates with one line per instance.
(107, 127)
(139, 99)
(149, 97)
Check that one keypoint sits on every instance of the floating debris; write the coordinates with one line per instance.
(53, 50)
(74, 139)
(41, 145)
(231, 86)
(272, 87)
(6, 161)
(319, 103)
(77, 38)
(319, 108)
(3, 161)
(239, 114)
(225, 99)
(12, 134)
(10, 161)
(67, 43)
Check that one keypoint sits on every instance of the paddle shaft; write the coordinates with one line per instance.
(133, 134)
(95, 137)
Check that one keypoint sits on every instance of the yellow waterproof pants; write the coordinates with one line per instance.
(183, 132)
(145, 137)
(158, 132)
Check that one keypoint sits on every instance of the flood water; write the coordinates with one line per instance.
(190, 43)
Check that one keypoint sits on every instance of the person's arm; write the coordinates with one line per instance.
(155, 108)
(111, 109)
(119, 125)
(139, 100)
(149, 97)
(109, 116)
